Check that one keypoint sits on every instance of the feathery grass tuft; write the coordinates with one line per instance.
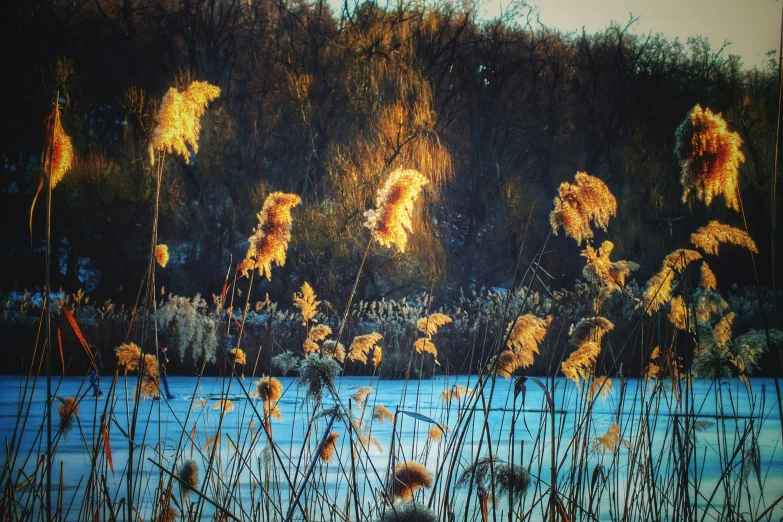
(328, 450)
(709, 237)
(162, 255)
(409, 476)
(429, 325)
(710, 157)
(380, 413)
(128, 356)
(390, 222)
(68, 411)
(306, 302)
(188, 474)
(361, 345)
(270, 238)
(587, 199)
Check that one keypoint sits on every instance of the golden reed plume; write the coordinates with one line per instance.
(58, 156)
(586, 336)
(435, 433)
(328, 450)
(454, 393)
(179, 120)
(361, 345)
(410, 476)
(377, 356)
(225, 405)
(314, 336)
(333, 350)
(708, 279)
(710, 157)
(240, 357)
(604, 272)
(611, 440)
(429, 325)
(67, 410)
(602, 385)
(381, 413)
(269, 389)
(525, 335)
(390, 222)
(659, 288)
(425, 345)
(709, 237)
(162, 255)
(678, 315)
(270, 238)
(128, 356)
(306, 302)
(587, 199)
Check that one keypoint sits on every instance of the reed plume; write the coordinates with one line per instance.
(306, 302)
(680, 259)
(269, 389)
(188, 476)
(150, 382)
(67, 410)
(410, 512)
(508, 361)
(203, 402)
(381, 413)
(179, 120)
(333, 350)
(409, 476)
(436, 431)
(429, 325)
(128, 356)
(316, 334)
(678, 315)
(609, 441)
(580, 363)
(590, 329)
(658, 290)
(270, 238)
(390, 222)
(361, 345)
(602, 384)
(604, 272)
(587, 199)
(709, 237)
(224, 405)
(328, 450)
(525, 334)
(377, 356)
(454, 393)
(426, 346)
(240, 357)
(162, 255)
(710, 157)
(360, 397)
(708, 280)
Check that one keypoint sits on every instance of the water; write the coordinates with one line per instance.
(730, 423)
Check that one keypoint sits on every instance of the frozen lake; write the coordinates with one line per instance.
(732, 433)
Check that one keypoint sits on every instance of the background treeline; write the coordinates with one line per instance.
(323, 104)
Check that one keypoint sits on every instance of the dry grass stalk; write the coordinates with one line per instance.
(128, 356)
(239, 355)
(410, 476)
(328, 450)
(306, 302)
(709, 237)
(380, 413)
(361, 345)
(710, 157)
(429, 325)
(179, 120)
(587, 199)
(162, 255)
(67, 410)
(270, 239)
(390, 222)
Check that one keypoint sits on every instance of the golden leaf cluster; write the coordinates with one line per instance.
(58, 155)
(270, 238)
(429, 325)
(410, 476)
(162, 255)
(710, 157)
(179, 120)
(587, 199)
(709, 237)
(328, 450)
(390, 222)
(361, 346)
(306, 302)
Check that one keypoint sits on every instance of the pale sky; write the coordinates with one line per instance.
(752, 26)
